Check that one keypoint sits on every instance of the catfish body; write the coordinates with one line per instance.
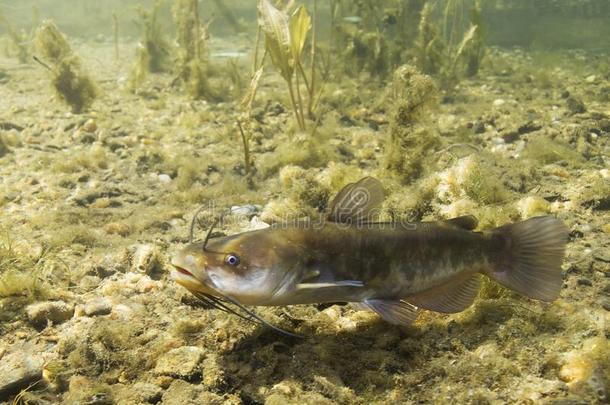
(391, 268)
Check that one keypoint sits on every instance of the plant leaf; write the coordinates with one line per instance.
(275, 25)
(467, 38)
(300, 24)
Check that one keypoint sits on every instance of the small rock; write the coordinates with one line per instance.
(165, 178)
(575, 105)
(54, 311)
(83, 390)
(17, 371)
(590, 79)
(213, 376)
(499, 102)
(606, 305)
(181, 362)
(3, 148)
(256, 223)
(181, 392)
(146, 393)
(98, 306)
(247, 210)
(90, 126)
(478, 127)
(510, 137)
(585, 282)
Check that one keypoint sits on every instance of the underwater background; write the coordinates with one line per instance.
(119, 119)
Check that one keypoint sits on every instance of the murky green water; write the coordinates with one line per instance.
(118, 120)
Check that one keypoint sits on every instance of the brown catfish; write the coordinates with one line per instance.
(393, 269)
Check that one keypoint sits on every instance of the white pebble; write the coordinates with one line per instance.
(590, 79)
(165, 178)
(499, 102)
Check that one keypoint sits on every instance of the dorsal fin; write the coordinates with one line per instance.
(356, 201)
(468, 222)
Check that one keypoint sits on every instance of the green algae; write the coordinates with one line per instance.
(547, 151)
(70, 81)
(410, 142)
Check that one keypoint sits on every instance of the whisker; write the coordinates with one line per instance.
(192, 227)
(217, 303)
(261, 320)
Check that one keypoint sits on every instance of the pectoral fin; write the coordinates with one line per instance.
(395, 312)
(344, 283)
(448, 298)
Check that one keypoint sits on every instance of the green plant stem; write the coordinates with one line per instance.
(197, 30)
(256, 46)
(116, 36)
(246, 140)
(300, 102)
(313, 60)
(294, 105)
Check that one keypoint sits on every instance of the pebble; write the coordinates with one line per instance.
(165, 178)
(141, 393)
(257, 223)
(247, 210)
(590, 79)
(17, 371)
(98, 306)
(90, 126)
(181, 362)
(499, 102)
(54, 311)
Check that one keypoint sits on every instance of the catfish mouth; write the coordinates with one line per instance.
(188, 280)
(182, 270)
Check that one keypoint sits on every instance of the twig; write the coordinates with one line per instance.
(115, 20)
(41, 63)
(313, 59)
(246, 140)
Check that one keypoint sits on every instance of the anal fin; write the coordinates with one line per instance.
(448, 298)
(393, 311)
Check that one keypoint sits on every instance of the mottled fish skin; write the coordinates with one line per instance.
(391, 268)
(391, 260)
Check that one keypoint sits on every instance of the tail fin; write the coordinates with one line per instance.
(530, 257)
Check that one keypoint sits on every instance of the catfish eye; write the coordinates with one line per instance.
(232, 259)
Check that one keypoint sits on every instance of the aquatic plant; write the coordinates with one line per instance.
(191, 66)
(18, 277)
(369, 36)
(19, 41)
(245, 137)
(68, 77)
(475, 53)
(153, 50)
(285, 38)
(456, 50)
(429, 46)
(412, 95)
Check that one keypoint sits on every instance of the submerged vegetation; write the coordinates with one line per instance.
(410, 143)
(262, 111)
(191, 67)
(72, 84)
